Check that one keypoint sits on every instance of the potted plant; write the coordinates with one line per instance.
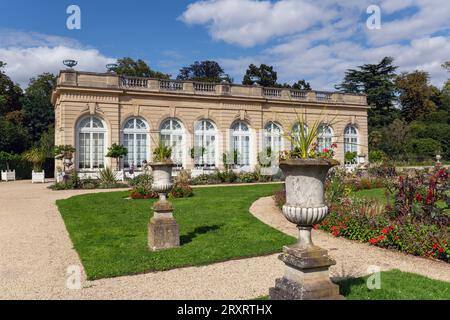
(305, 169)
(163, 229)
(6, 157)
(117, 152)
(36, 156)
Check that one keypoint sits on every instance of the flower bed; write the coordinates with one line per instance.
(414, 220)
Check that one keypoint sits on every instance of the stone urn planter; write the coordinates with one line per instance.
(163, 229)
(306, 274)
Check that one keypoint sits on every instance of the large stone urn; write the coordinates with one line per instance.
(163, 230)
(307, 266)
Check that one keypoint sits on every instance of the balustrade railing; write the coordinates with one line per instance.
(323, 96)
(204, 87)
(130, 82)
(273, 93)
(75, 78)
(298, 95)
(168, 85)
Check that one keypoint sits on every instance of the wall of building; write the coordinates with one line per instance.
(116, 106)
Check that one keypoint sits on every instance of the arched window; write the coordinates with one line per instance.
(296, 132)
(350, 139)
(325, 138)
(240, 137)
(205, 142)
(172, 133)
(272, 137)
(91, 134)
(136, 140)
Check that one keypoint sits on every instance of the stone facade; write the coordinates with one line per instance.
(114, 100)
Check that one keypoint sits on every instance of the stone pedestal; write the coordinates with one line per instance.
(306, 275)
(163, 230)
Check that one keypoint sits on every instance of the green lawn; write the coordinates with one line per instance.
(395, 285)
(109, 232)
(373, 194)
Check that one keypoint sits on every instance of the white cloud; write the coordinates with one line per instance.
(30, 54)
(320, 47)
(249, 22)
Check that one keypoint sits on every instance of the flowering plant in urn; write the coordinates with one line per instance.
(163, 229)
(305, 168)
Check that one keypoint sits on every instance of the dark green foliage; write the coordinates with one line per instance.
(204, 71)
(37, 105)
(137, 68)
(266, 75)
(10, 93)
(13, 138)
(377, 81)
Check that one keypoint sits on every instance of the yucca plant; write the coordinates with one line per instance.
(107, 177)
(36, 157)
(304, 141)
(162, 153)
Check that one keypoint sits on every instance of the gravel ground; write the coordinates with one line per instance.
(35, 252)
(353, 258)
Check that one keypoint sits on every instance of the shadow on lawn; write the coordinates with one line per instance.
(184, 239)
(345, 285)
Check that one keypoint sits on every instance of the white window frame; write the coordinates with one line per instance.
(351, 140)
(273, 132)
(240, 135)
(91, 131)
(325, 137)
(173, 134)
(203, 134)
(134, 132)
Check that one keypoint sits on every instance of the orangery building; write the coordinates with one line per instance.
(95, 110)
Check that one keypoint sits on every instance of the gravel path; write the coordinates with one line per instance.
(353, 258)
(35, 252)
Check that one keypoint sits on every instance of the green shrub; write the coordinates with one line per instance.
(350, 157)
(181, 190)
(376, 156)
(424, 147)
(246, 177)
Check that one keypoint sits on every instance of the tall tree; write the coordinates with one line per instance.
(10, 93)
(302, 85)
(415, 95)
(137, 68)
(207, 71)
(265, 74)
(13, 138)
(37, 105)
(377, 81)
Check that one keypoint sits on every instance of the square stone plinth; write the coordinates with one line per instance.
(163, 233)
(306, 276)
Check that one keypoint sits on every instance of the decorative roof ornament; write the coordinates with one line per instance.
(70, 63)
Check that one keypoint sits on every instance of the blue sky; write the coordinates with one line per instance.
(316, 40)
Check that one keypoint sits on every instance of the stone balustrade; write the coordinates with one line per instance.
(112, 80)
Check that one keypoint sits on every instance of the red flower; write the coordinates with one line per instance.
(373, 241)
(418, 197)
(325, 150)
(381, 238)
(385, 230)
(430, 197)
